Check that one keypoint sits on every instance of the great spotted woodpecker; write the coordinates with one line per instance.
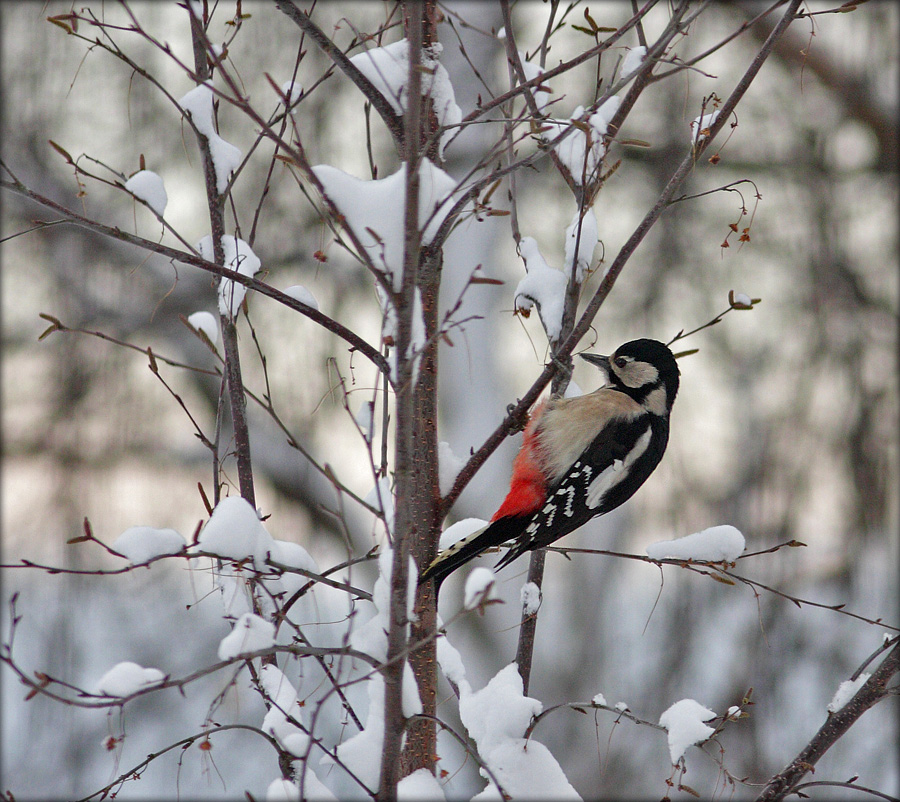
(580, 457)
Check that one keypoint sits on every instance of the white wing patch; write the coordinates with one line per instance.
(613, 474)
(549, 513)
(570, 492)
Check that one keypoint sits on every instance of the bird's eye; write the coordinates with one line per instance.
(621, 361)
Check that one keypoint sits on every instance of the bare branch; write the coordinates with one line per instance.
(392, 120)
(873, 691)
(352, 339)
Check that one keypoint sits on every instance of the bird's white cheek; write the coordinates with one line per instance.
(613, 474)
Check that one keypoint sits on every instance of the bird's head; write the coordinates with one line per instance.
(644, 369)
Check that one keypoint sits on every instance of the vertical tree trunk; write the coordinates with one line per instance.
(425, 503)
(417, 523)
(421, 743)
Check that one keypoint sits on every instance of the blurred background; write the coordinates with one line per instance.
(785, 427)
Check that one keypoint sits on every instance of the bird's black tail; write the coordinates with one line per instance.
(468, 548)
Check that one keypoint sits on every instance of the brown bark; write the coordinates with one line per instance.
(416, 466)
(421, 734)
(216, 205)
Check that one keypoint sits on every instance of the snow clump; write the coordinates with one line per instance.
(684, 722)
(147, 186)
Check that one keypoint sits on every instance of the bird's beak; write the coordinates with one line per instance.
(599, 361)
(596, 359)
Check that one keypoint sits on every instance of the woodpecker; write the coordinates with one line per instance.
(580, 457)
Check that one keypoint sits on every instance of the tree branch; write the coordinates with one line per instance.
(515, 416)
(407, 525)
(379, 102)
(836, 725)
(350, 337)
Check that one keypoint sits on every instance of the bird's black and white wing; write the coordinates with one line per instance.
(615, 464)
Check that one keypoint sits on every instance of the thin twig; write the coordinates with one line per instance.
(352, 339)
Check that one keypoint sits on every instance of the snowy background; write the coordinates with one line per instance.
(785, 426)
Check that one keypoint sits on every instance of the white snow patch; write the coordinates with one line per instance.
(420, 786)
(716, 544)
(239, 257)
(389, 330)
(543, 286)
(632, 62)
(140, 544)
(284, 705)
(846, 691)
(388, 70)
(460, 530)
(198, 103)
(450, 662)
(599, 699)
(449, 466)
(742, 298)
(496, 718)
(381, 498)
(699, 125)
(148, 187)
(285, 582)
(282, 791)
(300, 293)
(582, 161)
(599, 120)
(365, 419)
(481, 586)
(374, 210)
(587, 240)
(232, 583)
(292, 90)
(571, 150)
(235, 532)
(250, 634)
(361, 753)
(292, 554)
(205, 322)
(684, 721)
(541, 96)
(314, 790)
(531, 598)
(371, 637)
(124, 679)
(621, 706)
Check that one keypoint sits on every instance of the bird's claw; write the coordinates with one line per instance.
(519, 420)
